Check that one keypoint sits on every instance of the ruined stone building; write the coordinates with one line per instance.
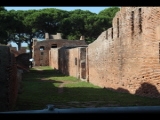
(125, 57)
(15, 51)
(128, 56)
(41, 48)
(70, 61)
(12, 62)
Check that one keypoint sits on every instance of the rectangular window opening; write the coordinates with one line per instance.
(54, 46)
(41, 48)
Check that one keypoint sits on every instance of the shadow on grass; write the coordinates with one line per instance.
(75, 93)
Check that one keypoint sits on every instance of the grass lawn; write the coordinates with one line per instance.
(43, 85)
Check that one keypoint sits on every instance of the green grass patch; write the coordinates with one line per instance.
(41, 87)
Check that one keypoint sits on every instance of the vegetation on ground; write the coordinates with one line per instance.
(44, 85)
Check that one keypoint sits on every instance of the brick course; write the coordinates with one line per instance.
(131, 58)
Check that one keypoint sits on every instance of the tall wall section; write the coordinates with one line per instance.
(8, 79)
(126, 56)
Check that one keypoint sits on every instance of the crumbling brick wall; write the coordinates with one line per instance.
(8, 79)
(22, 50)
(41, 49)
(16, 53)
(10, 76)
(70, 61)
(73, 59)
(126, 56)
(54, 58)
(13, 83)
(23, 60)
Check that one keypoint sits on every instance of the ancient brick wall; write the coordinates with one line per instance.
(8, 79)
(63, 60)
(54, 58)
(13, 48)
(22, 50)
(70, 61)
(126, 56)
(41, 49)
(10, 76)
(13, 83)
(15, 52)
(23, 60)
(73, 62)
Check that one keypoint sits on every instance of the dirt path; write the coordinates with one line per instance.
(60, 88)
(38, 69)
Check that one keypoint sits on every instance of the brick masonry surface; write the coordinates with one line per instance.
(124, 58)
(41, 49)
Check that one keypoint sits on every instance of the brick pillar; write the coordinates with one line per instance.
(46, 36)
(82, 38)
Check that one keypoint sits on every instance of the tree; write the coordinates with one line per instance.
(94, 25)
(17, 32)
(73, 26)
(45, 20)
(85, 23)
(2, 8)
(40, 21)
(22, 26)
(109, 13)
(6, 21)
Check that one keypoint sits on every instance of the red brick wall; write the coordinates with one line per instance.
(73, 66)
(53, 58)
(9, 81)
(44, 59)
(70, 61)
(22, 50)
(130, 61)
(125, 57)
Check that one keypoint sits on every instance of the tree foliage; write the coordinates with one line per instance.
(2, 8)
(22, 26)
(109, 13)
